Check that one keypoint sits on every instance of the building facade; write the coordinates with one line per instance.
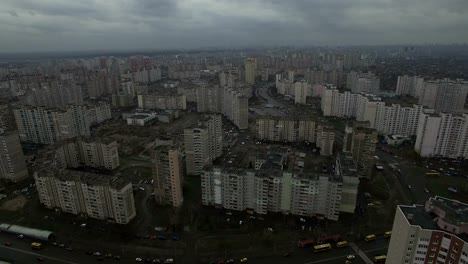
(269, 188)
(250, 70)
(81, 193)
(12, 162)
(445, 95)
(168, 175)
(442, 135)
(285, 129)
(166, 102)
(325, 140)
(410, 85)
(203, 143)
(363, 145)
(49, 126)
(430, 233)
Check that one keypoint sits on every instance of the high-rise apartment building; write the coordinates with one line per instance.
(443, 135)
(48, 126)
(82, 193)
(445, 95)
(387, 119)
(209, 98)
(280, 129)
(250, 70)
(162, 101)
(301, 91)
(325, 139)
(99, 153)
(363, 145)
(168, 175)
(269, 188)
(147, 75)
(55, 96)
(12, 162)
(7, 121)
(410, 85)
(235, 106)
(363, 83)
(203, 143)
(77, 152)
(431, 233)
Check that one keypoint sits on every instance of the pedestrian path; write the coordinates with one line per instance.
(361, 253)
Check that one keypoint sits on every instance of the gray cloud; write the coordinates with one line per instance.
(162, 24)
(13, 13)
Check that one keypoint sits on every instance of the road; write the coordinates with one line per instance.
(334, 256)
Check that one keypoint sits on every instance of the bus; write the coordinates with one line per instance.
(322, 247)
(388, 234)
(36, 245)
(343, 243)
(370, 237)
(380, 259)
(305, 243)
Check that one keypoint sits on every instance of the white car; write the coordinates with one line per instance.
(350, 257)
(169, 260)
(138, 259)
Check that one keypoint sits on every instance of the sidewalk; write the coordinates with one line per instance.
(360, 253)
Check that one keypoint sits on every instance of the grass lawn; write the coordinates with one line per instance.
(439, 186)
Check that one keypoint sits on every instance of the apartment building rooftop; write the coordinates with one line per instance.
(441, 214)
(88, 178)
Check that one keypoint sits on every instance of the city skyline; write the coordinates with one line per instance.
(57, 25)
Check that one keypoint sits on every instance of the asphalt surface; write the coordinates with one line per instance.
(333, 256)
(21, 253)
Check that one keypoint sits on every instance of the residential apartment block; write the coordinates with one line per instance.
(442, 135)
(203, 143)
(363, 142)
(363, 83)
(300, 129)
(55, 96)
(325, 139)
(250, 70)
(410, 85)
(387, 119)
(7, 121)
(301, 91)
(445, 95)
(162, 101)
(73, 153)
(290, 191)
(49, 125)
(82, 193)
(235, 106)
(150, 75)
(12, 162)
(168, 171)
(431, 233)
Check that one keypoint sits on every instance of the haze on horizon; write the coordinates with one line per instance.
(64, 25)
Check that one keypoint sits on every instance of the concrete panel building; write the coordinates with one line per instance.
(203, 143)
(168, 171)
(82, 193)
(431, 233)
(12, 162)
(442, 135)
(250, 70)
(445, 95)
(271, 188)
(294, 129)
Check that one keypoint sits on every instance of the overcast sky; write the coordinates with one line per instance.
(45, 25)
